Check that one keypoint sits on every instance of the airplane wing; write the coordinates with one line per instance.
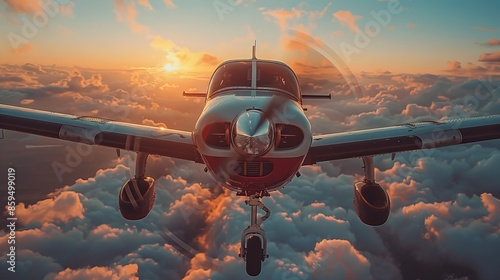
(97, 131)
(401, 138)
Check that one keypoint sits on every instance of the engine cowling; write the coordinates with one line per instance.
(372, 203)
(137, 197)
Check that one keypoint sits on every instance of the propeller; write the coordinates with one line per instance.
(273, 109)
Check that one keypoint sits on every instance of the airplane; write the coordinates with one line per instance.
(253, 136)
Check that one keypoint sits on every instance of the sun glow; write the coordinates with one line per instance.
(169, 67)
(172, 64)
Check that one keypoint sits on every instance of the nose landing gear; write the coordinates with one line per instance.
(253, 239)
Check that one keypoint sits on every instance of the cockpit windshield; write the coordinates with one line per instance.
(231, 75)
(268, 76)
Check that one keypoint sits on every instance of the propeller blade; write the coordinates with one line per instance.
(272, 109)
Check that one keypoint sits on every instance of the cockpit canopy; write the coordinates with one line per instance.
(270, 75)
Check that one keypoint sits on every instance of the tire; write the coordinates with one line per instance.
(254, 256)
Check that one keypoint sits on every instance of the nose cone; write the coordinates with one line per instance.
(252, 133)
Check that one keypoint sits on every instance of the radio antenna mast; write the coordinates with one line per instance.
(254, 49)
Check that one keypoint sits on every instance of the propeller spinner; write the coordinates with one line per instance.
(252, 133)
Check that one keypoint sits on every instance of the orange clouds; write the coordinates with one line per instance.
(64, 207)
(182, 58)
(492, 204)
(24, 6)
(169, 3)
(348, 19)
(37, 6)
(331, 257)
(491, 43)
(282, 16)
(440, 209)
(490, 57)
(146, 4)
(453, 65)
(118, 272)
(126, 12)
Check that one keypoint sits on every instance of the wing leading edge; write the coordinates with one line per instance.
(401, 138)
(96, 131)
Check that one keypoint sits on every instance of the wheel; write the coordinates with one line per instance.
(254, 256)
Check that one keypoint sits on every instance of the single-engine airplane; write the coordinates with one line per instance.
(252, 136)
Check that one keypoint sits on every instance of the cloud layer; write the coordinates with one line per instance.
(445, 208)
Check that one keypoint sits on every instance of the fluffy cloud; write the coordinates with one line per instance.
(126, 11)
(63, 208)
(282, 16)
(287, 19)
(445, 207)
(338, 257)
(490, 57)
(348, 19)
(117, 273)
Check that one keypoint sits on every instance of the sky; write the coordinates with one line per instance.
(384, 62)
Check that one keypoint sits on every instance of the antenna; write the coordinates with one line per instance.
(254, 49)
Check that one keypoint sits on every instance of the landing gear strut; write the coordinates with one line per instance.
(253, 239)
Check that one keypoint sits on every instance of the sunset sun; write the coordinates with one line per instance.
(172, 64)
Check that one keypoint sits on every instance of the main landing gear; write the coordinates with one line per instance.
(253, 239)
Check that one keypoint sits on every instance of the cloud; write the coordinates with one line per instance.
(208, 59)
(169, 3)
(64, 207)
(184, 58)
(125, 11)
(411, 25)
(116, 273)
(27, 6)
(297, 18)
(36, 6)
(146, 4)
(23, 48)
(447, 224)
(282, 16)
(454, 65)
(348, 19)
(491, 43)
(338, 257)
(67, 10)
(445, 208)
(321, 13)
(490, 57)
